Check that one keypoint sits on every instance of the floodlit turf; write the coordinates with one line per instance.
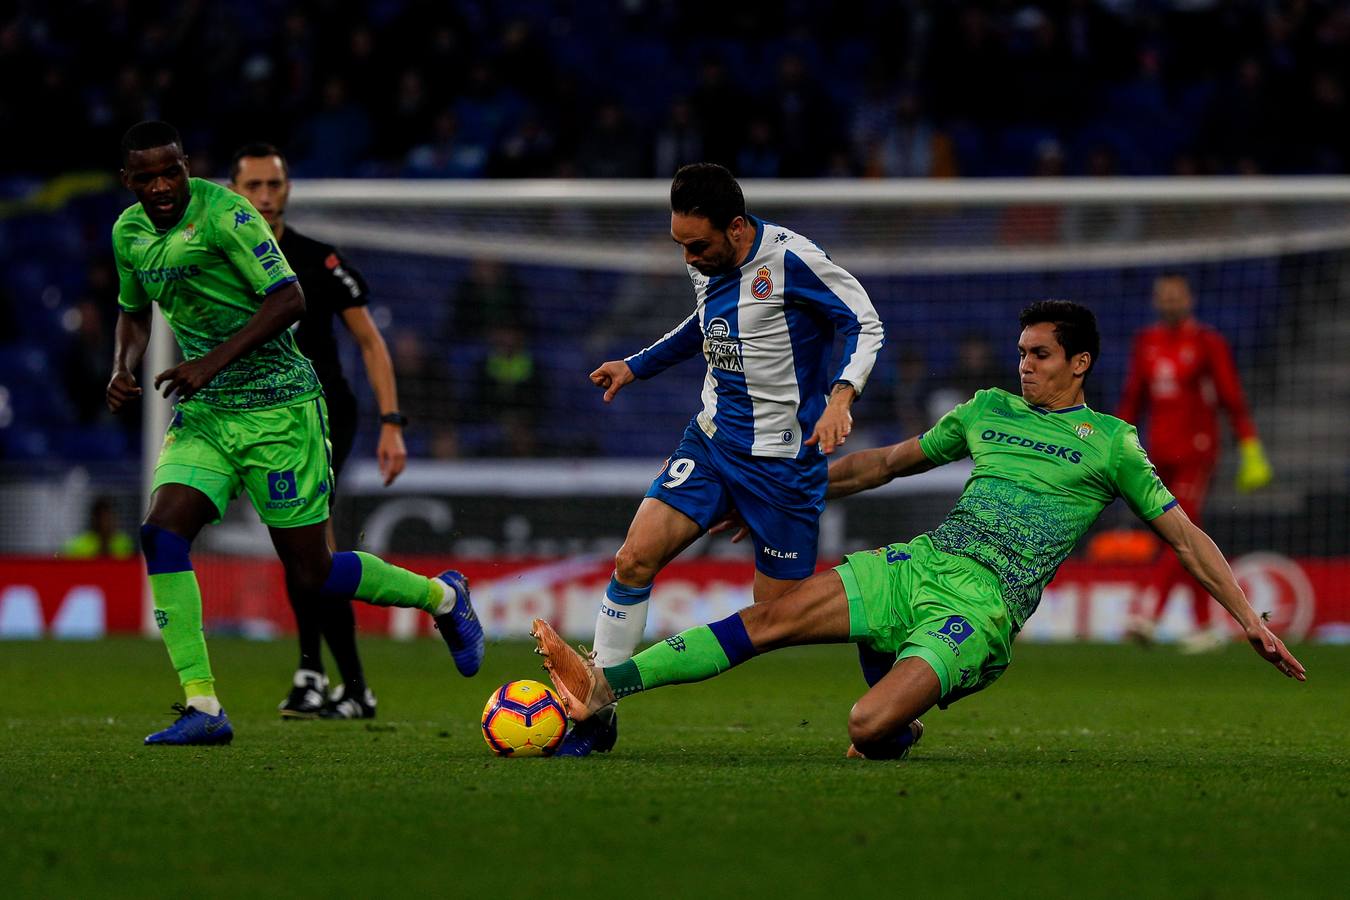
(1087, 771)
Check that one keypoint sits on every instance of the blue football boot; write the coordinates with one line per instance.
(594, 735)
(194, 727)
(460, 628)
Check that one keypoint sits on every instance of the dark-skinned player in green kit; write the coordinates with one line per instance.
(250, 417)
(946, 607)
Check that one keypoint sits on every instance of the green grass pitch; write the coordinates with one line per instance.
(1087, 771)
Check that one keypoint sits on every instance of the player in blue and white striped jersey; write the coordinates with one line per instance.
(768, 304)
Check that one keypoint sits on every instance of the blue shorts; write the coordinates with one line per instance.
(780, 499)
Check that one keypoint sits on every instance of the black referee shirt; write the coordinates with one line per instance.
(330, 285)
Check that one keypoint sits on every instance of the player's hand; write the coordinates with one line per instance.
(122, 389)
(391, 454)
(831, 429)
(1254, 471)
(612, 376)
(731, 520)
(186, 378)
(1273, 650)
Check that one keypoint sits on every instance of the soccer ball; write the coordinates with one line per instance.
(523, 718)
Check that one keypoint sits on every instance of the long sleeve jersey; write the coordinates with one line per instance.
(767, 332)
(1183, 374)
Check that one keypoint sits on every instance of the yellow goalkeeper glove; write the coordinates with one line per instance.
(1254, 471)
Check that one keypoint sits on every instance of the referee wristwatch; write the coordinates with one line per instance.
(394, 418)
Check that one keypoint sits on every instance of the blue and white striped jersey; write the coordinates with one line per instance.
(767, 331)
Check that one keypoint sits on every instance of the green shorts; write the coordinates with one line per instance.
(914, 600)
(282, 457)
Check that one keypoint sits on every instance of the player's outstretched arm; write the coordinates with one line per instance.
(871, 468)
(1201, 557)
(282, 309)
(131, 338)
(612, 376)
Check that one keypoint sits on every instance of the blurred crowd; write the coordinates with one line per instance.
(633, 88)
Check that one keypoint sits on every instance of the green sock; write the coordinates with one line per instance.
(693, 655)
(178, 612)
(383, 584)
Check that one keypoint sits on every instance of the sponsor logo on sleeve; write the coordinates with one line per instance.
(242, 217)
(268, 254)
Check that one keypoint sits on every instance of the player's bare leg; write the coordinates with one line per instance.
(766, 588)
(657, 534)
(884, 723)
(181, 509)
(815, 611)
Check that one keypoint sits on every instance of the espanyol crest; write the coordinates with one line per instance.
(762, 286)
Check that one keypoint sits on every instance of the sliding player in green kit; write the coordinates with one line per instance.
(250, 417)
(945, 607)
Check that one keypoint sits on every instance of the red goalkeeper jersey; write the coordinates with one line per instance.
(1183, 374)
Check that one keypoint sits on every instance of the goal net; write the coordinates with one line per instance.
(498, 298)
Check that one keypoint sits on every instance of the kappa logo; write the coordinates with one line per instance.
(762, 287)
(1083, 430)
(242, 217)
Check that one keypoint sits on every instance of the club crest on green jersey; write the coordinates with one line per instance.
(190, 232)
(1083, 430)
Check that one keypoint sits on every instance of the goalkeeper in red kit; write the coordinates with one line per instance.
(1182, 371)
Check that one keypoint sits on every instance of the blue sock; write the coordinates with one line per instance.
(165, 552)
(345, 575)
(735, 640)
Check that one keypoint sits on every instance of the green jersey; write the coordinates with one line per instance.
(1041, 478)
(209, 273)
